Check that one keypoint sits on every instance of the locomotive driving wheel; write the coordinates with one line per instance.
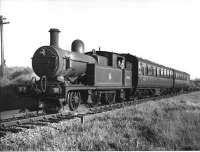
(108, 98)
(74, 100)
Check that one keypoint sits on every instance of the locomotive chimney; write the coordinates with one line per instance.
(54, 37)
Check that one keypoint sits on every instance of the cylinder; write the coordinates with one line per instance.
(54, 37)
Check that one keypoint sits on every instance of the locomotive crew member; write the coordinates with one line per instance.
(121, 63)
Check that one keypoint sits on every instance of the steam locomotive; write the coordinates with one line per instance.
(71, 78)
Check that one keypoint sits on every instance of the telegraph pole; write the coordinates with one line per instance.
(2, 22)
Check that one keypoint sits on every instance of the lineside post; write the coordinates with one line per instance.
(2, 69)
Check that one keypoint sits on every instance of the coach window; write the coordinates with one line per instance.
(154, 71)
(165, 73)
(149, 70)
(140, 68)
(157, 71)
(143, 68)
(146, 69)
(160, 72)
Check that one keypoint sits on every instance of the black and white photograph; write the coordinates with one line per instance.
(99, 75)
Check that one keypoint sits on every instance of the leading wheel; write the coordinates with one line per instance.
(73, 99)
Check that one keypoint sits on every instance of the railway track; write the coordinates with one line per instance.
(31, 119)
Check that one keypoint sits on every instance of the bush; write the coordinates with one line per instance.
(16, 75)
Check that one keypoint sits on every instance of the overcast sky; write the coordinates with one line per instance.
(163, 31)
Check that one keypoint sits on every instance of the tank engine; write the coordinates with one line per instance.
(68, 78)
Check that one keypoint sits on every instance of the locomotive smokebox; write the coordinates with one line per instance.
(78, 46)
(54, 37)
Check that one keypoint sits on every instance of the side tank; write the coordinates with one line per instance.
(52, 61)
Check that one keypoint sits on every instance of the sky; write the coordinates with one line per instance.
(164, 31)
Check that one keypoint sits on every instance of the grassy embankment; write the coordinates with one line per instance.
(168, 124)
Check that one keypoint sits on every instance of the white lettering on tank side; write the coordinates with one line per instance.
(109, 76)
(128, 77)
